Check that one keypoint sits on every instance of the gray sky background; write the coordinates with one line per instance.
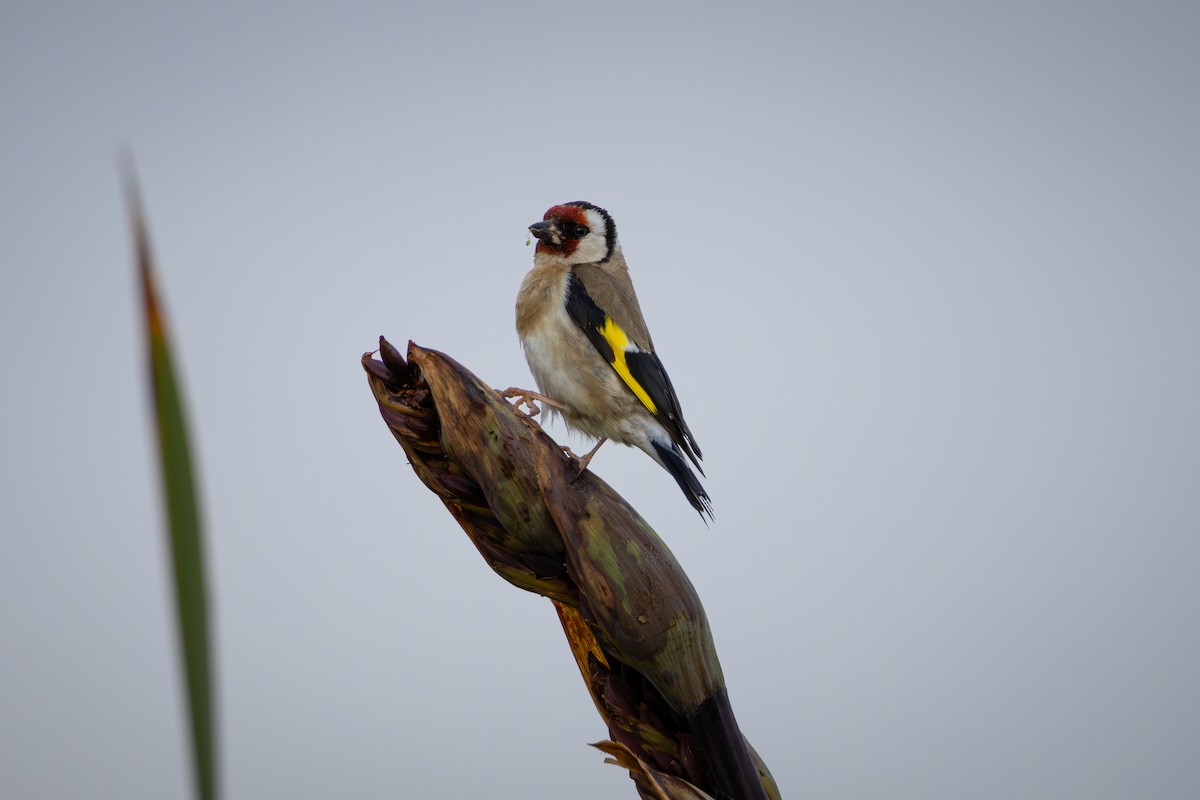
(927, 280)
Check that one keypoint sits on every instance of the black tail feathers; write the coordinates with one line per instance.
(672, 460)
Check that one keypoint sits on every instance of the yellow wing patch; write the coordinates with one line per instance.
(618, 341)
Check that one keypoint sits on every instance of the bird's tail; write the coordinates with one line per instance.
(725, 752)
(671, 459)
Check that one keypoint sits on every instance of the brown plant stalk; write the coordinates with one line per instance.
(633, 620)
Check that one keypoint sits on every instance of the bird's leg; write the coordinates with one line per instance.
(583, 461)
(525, 398)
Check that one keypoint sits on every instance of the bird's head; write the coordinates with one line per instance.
(576, 233)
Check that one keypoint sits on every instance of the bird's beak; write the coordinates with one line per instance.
(542, 230)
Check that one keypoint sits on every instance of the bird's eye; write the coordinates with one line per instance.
(579, 231)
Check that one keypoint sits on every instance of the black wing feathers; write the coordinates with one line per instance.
(582, 309)
(645, 368)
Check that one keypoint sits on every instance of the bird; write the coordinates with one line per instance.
(590, 352)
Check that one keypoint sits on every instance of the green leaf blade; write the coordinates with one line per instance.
(184, 529)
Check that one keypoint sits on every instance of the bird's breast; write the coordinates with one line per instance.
(565, 364)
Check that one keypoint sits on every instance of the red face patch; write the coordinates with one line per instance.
(567, 214)
(563, 216)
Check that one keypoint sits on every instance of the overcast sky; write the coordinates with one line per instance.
(926, 279)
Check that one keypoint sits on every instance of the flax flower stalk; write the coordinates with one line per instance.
(633, 620)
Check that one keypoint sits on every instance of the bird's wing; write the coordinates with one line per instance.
(639, 368)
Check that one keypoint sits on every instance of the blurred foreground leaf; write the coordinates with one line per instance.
(185, 535)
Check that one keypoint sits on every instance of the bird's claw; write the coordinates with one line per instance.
(523, 398)
(578, 463)
(582, 461)
(529, 399)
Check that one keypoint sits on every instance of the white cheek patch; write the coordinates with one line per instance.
(594, 246)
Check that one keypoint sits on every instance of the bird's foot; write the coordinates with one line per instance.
(526, 398)
(582, 461)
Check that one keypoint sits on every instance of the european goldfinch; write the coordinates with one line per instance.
(589, 349)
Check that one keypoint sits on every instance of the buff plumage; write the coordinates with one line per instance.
(589, 349)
